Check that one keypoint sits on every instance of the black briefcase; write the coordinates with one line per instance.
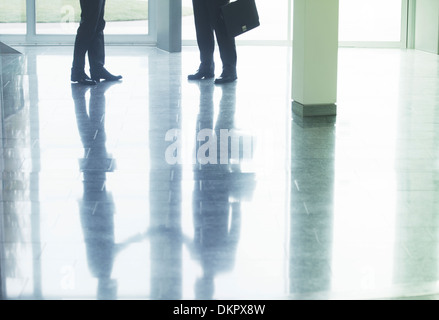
(240, 16)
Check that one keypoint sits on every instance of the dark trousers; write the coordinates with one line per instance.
(208, 24)
(90, 36)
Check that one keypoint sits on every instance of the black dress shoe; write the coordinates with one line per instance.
(103, 74)
(201, 75)
(82, 78)
(226, 78)
(206, 70)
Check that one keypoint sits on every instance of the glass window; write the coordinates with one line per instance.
(370, 20)
(62, 16)
(188, 27)
(274, 16)
(57, 16)
(12, 16)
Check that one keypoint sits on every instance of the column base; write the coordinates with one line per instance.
(5, 49)
(315, 110)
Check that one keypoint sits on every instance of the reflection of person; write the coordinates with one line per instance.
(90, 39)
(217, 197)
(96, 205)
(208, 23)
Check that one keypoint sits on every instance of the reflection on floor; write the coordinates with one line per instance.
(160, 188)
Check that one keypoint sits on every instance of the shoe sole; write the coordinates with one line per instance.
(225, 81)
(200, 78)
(112, 79)
(85, 82)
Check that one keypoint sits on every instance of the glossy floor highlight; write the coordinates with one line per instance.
(156, 187)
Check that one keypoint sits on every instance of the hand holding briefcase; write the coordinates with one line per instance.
(240, 16)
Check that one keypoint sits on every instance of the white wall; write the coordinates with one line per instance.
(427, 26)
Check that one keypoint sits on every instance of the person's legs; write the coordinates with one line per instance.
(96, 50)
(205, 39)
(227, 48)
(90, 39)
(90, 11)
(226, 43)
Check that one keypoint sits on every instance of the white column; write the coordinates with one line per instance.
(315, 57)
(169, 16)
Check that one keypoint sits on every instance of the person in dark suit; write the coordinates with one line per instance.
(90, 39)
(208, 24)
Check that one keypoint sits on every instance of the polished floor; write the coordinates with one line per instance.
(160, 188)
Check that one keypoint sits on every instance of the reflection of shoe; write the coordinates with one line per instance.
(103, 86)
(79, 91)
(226, 78)
(82, 78)
(97, 75)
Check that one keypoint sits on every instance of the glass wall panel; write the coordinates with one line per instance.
(274, 16)
(188, 26)
(370, 20)
(62, 16)
(12, 16)
(360, 20)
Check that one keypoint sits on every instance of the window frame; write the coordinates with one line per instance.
(404, 38)
(32, 38)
